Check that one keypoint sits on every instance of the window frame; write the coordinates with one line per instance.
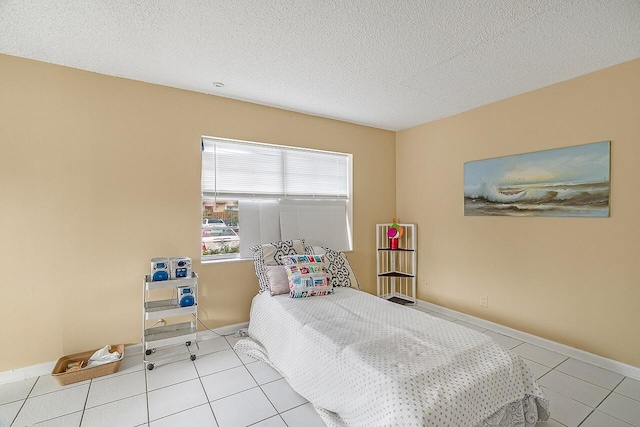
(275, 196)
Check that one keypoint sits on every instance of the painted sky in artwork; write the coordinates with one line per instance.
(580, 164)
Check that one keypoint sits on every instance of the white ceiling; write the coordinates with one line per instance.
(388, 64)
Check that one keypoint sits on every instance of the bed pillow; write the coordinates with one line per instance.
(303, 259)
(338, 265)
(269, 254)
(278, 280)
(308, 275)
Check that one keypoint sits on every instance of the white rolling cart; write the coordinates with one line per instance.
(169, 334)
(396, 266)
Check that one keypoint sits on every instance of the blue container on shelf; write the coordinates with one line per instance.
(160, 269)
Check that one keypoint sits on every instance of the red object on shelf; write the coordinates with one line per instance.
(394, 243)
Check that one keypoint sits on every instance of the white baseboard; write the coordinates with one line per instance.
(26, 372)
(584, 356)
(46, 368)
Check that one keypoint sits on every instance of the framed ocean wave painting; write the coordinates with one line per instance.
(571, 181)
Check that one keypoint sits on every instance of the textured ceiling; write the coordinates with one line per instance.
(387, 64)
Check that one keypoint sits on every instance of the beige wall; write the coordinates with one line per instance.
(571, 280)
(100, 174)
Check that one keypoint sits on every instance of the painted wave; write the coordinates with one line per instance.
(566, 199)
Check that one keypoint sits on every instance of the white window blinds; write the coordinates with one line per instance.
(316, 174)
(236, 169)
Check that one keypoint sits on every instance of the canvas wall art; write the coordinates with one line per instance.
(571, 181)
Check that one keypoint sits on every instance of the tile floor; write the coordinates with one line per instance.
(222, 388)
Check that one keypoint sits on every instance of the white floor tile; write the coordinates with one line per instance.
(246, 359)
(600, 419)
(17, 390)
(131, 411)
(622, 408)
(226, 383)
(282, 396)
(200, 416)
(630, 388)
(129, 364)
(52, 405)
(577, 389)
(163, 356)
(217, 362)
(175, 398)
(271, 422)
(471, 326)
(303, 416)
(566, 410)
(503, 340)
(537, 369)
(263, 373)
(539, 354)
(212, 345)
(590, 373)
(71, 420)
(172, 373)
(48, 384)
(116, 388)
(242, 409)
(8, 412)
(243, 357)
(232, 340)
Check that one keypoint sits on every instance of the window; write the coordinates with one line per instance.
(264, 192)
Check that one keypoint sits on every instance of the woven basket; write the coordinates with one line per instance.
(82, 374)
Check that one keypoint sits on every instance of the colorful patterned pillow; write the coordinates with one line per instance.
(270, 254)
(303, 259)
(338, 265)
(308, 275)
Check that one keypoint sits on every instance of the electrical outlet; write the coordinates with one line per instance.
(484, 301)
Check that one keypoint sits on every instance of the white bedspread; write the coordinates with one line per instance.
(363, 361)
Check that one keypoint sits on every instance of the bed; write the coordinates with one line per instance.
(364, 361)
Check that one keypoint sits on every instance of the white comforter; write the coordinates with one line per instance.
(363, 361)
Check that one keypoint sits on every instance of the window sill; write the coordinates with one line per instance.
(223, 260)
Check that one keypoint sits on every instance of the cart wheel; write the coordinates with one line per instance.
(150, 366)
(193, 357)
(188, 343)
(148, 352)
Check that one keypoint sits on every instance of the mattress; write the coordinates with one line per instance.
(363, 361)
